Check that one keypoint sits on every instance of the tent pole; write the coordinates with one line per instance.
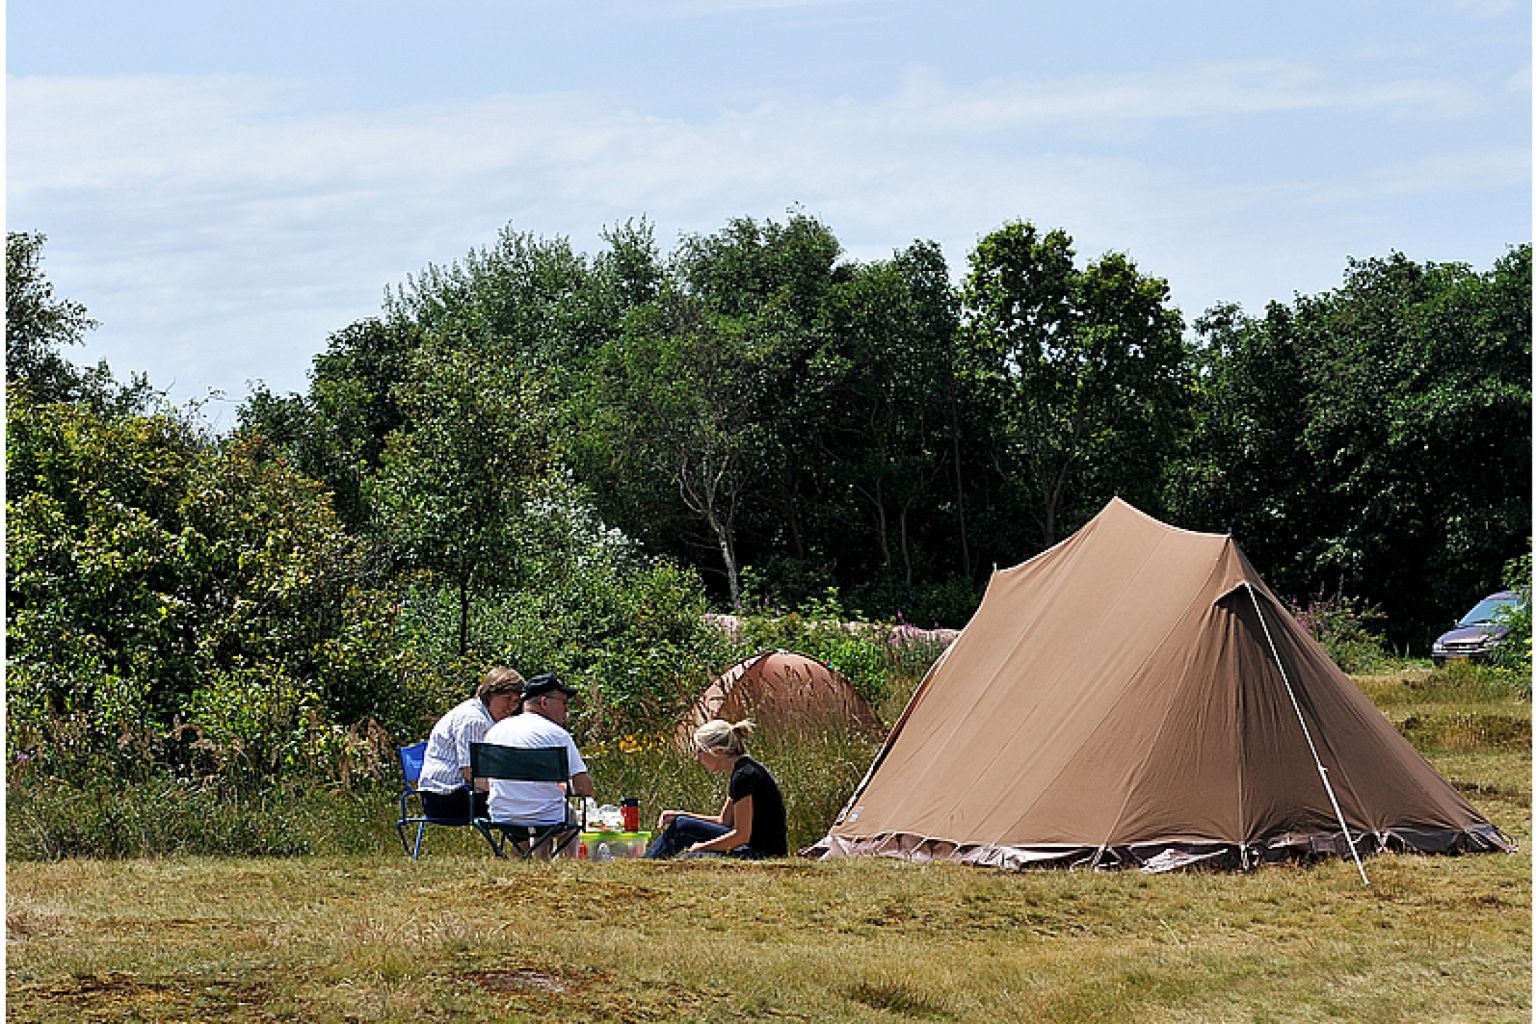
(1321, 771)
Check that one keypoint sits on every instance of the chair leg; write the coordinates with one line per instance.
(548, 840)
(531, 843)
(536, 847)
(571, 836)
(421, 830)
(496, 848)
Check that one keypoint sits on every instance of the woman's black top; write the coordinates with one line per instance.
(770, 834)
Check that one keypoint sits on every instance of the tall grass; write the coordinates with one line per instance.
(71, 804)
(166, 816)
(816, 769)
(1463, 713)
(355, 931)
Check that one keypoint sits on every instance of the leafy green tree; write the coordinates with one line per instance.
(335, 432)
(154, 573)
(627, 274)
(274, 574)
(885, 369)
(38, 327)
(713, 448)
(590, 604)
(767, 282)
(1084, 371)
(1420, 422)
(523, 300)
(752, 270)
(672, 403)
(95, 621)
(1243, 468)
(691, 417)
(474, 447)
(771, 405)
(1372, 441)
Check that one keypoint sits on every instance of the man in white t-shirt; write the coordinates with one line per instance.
(542, 724)
(445, 781)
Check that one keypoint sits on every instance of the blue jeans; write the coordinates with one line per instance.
(684, 832)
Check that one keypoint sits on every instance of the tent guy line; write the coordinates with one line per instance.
(1322, 771)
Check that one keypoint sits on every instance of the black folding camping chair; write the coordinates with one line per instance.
(527, 764)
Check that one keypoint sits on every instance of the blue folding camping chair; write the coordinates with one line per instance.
(411, 759)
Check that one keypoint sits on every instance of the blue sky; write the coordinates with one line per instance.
(224, 185)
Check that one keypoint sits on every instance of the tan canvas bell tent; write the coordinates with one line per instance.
(778, 689)
(1132, 696)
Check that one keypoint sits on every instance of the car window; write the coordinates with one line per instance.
(1486, 611)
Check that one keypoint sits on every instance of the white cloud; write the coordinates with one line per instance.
(1460, 171)
(168, 131)
(1481, 8)
(1217, 89)
(220, 227)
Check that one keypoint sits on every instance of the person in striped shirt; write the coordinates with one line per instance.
(445, 784)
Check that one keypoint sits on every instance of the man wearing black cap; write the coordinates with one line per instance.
(542, 724)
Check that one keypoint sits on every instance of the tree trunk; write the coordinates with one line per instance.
(906, 552)
(954, 443)
(728, 556)
(788, 494)
(882, 527)
(463, 615)
(965, 545)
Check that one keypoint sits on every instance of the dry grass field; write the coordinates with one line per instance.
(460, 937)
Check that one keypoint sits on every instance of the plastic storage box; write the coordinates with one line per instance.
(612, 845)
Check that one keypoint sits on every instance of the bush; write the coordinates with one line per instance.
(948, 603)
(158, 575)
(584, 602)
(783, 581)
(1514, 654)
(635, 642)
(1346, 629)
(823, 631)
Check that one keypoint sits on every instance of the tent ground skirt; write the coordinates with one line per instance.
(1158, 857)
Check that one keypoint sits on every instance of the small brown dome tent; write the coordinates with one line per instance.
(779, 689)
(1135, 695)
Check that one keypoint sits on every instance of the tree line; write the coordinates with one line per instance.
(785, 420)
(562, 459)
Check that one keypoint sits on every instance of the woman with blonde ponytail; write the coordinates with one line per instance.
(751, 824)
